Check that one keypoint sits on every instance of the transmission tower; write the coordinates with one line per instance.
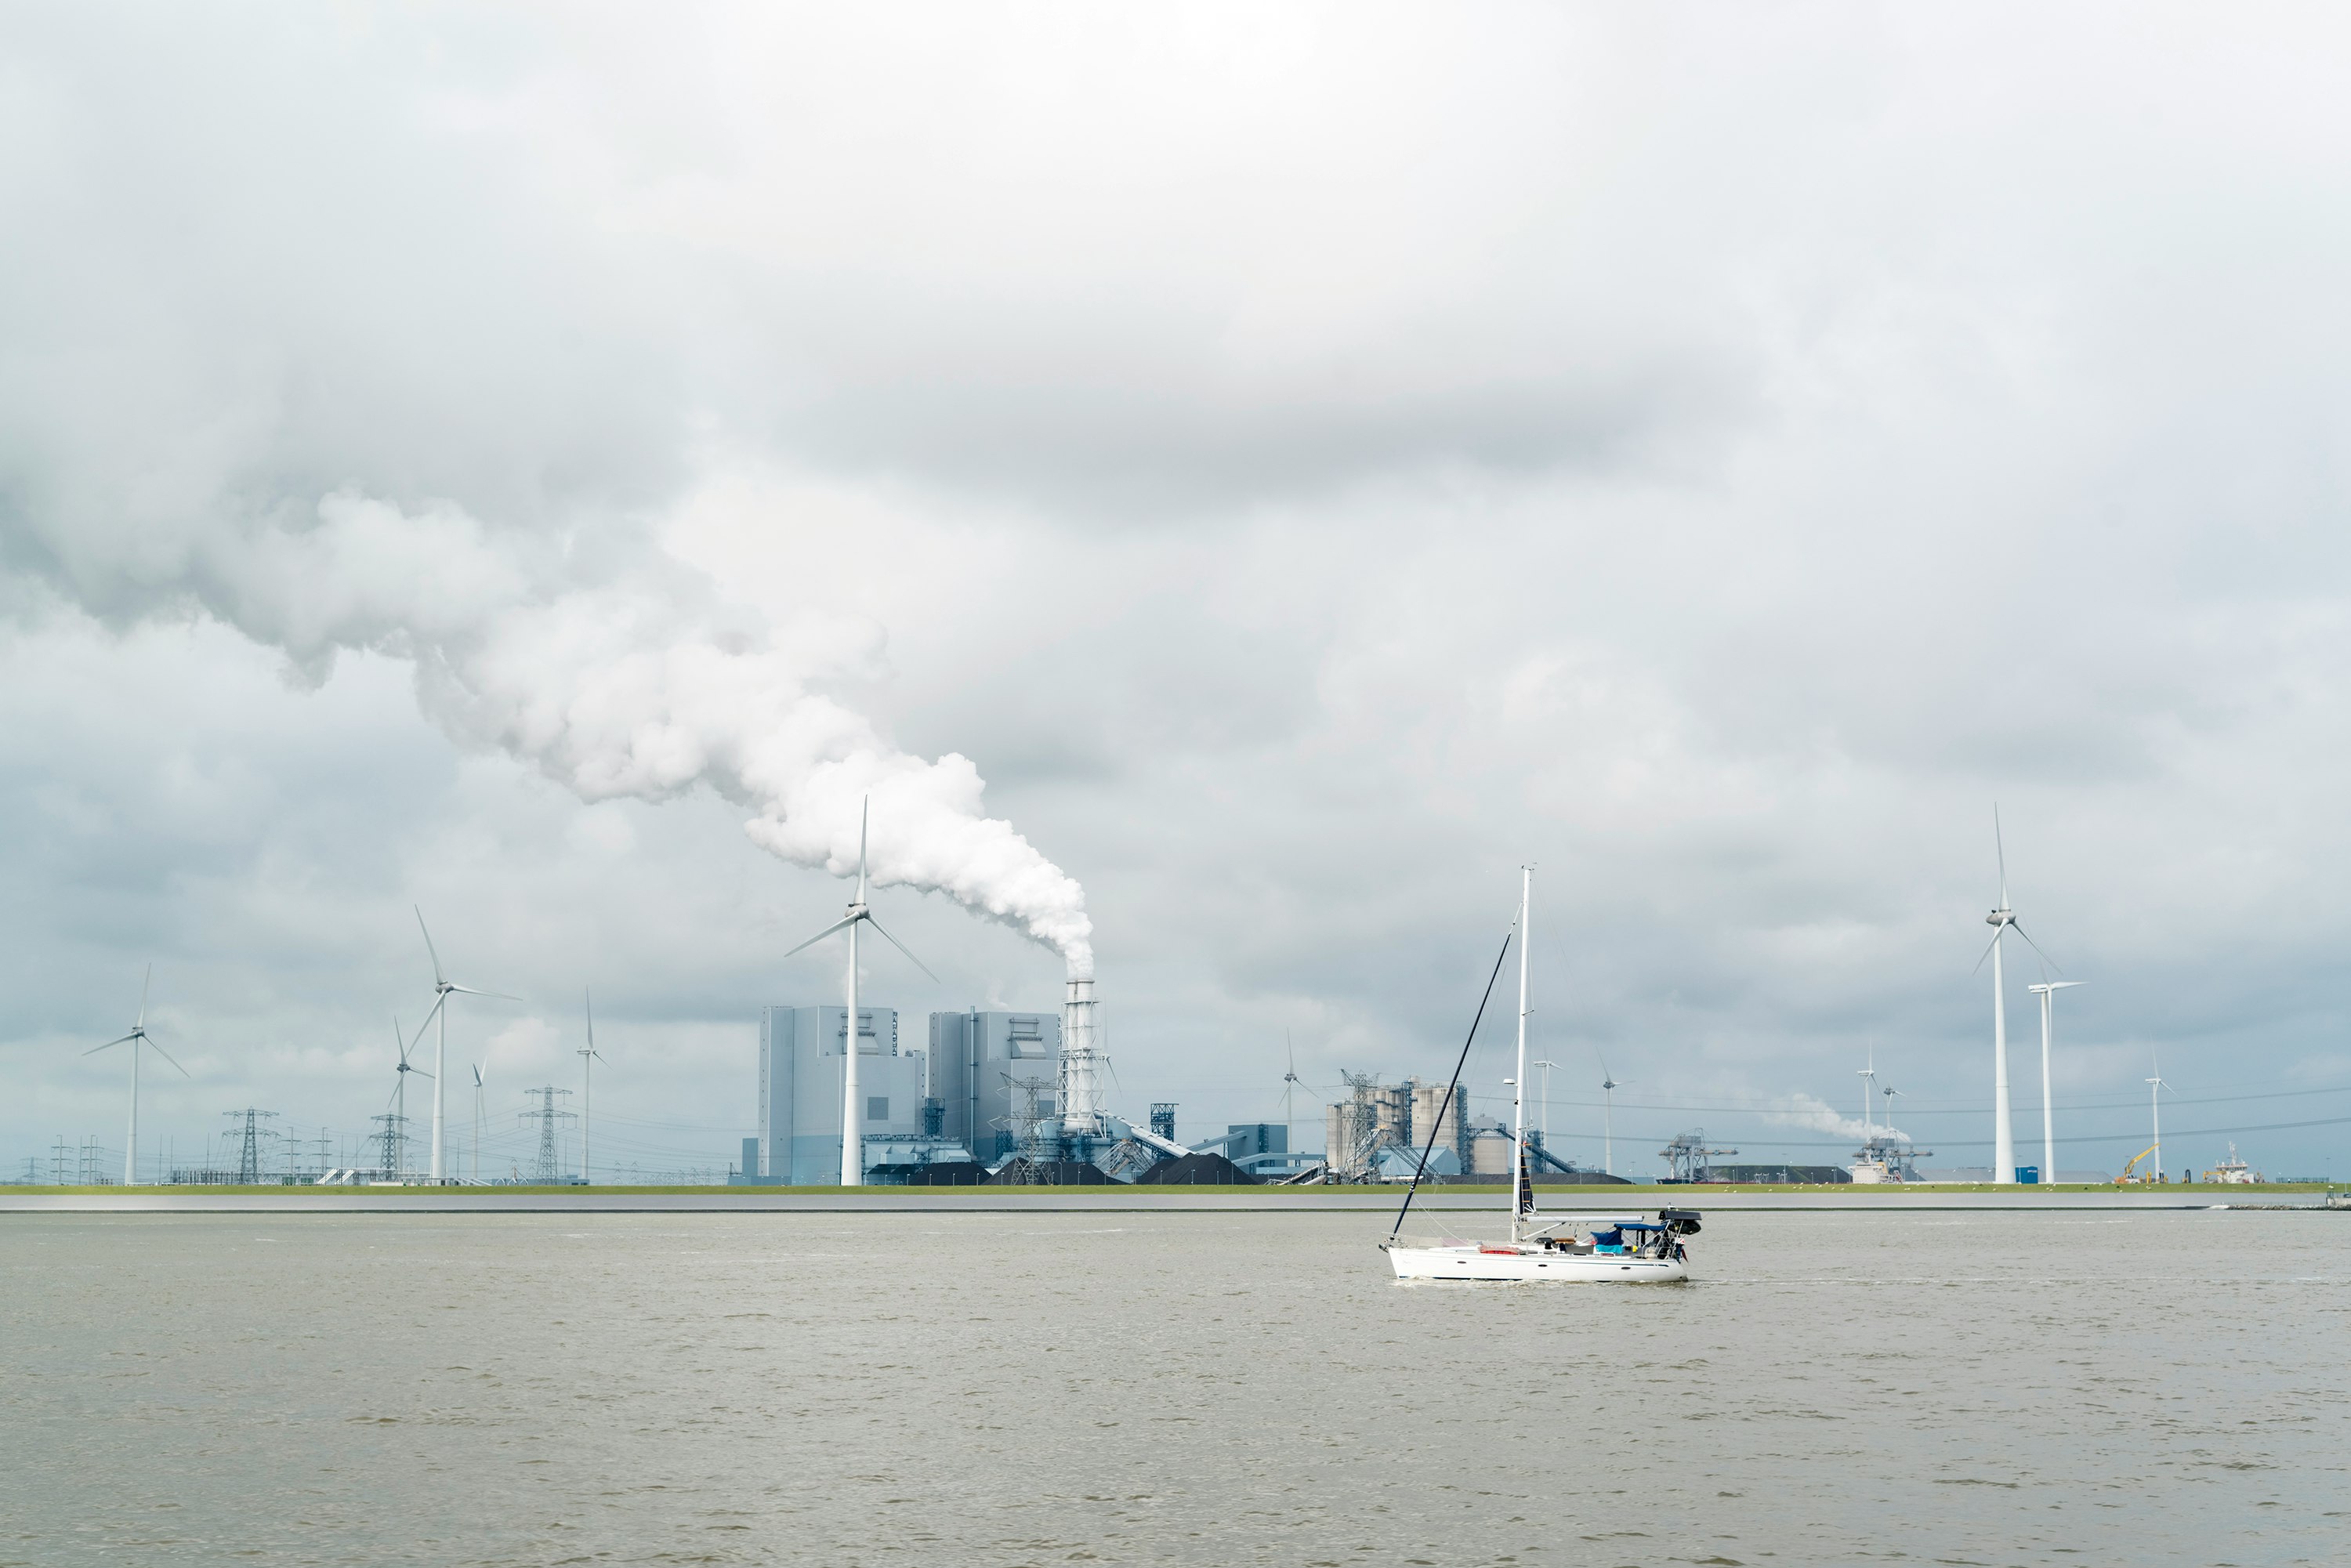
(1033, 1129)
(390, 1137)
(91, 1162)
(551, 1170)
(248, 1136)
(58, 1162)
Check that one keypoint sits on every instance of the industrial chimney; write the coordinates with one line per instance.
(1081, 1101)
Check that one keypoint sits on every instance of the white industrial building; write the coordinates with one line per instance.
(986, 1067)
(985, 1073)
(801, 1054)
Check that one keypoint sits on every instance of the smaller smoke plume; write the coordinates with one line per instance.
(1804, 1111)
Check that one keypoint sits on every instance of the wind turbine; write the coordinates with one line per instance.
(1290, 1082)
(444, 987)
(400, 1098)
(477, 1124)
(2003, 1159)
(134, 1039)
(1868, 1076)
(2047, 991)
(1608, 1087)
(588, 1060)
(852, 1115)
(2155, 1087)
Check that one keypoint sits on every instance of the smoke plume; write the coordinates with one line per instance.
(1804, 1111)
(642, 684)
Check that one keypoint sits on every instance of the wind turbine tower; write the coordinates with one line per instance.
(2003, 1159)
(1608, 1087)
(853, 1109)
(2047, 991)
(477, 1124)
(588, 1060)
(134, 1039)
(444, 988)
(2155, 1087)
(1289, 1084)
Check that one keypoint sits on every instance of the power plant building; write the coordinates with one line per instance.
(1376, 1117)
(991, 1072)
(802, 1052)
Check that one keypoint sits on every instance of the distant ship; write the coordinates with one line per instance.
(1885, 1157)
(2233, 1171)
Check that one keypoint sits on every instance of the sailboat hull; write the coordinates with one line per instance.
(1537, 1265)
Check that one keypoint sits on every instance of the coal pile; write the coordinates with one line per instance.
(1024, 1172)
(1196, 1170)
(946, 1173)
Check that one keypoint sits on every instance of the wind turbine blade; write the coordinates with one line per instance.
(902, 947)
(842, 925)
(477, 1075)
(471, 992)
(1986, 952)
(588, 1004)
(420, 1073)
(143, 985)
(2036, 947)
(167, 1056)
(422, 1027)
(865, 813)
(2000, 849)
(438, 979)
(109, 1045)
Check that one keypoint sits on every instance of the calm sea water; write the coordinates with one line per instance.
(2081, 1388)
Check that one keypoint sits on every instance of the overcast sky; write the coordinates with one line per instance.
(1308, 460)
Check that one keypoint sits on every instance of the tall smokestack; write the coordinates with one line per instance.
(1081, 1103)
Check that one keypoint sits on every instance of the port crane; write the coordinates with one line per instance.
(2126, 1179)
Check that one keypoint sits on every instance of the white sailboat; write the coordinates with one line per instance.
(1612, 1249)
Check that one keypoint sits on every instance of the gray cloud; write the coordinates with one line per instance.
(1308, 465)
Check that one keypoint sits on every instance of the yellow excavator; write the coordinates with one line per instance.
(2152, 1176)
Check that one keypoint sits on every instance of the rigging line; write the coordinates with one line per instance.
(1438, 1120)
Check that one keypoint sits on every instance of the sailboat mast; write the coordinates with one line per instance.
(1519, 1193)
